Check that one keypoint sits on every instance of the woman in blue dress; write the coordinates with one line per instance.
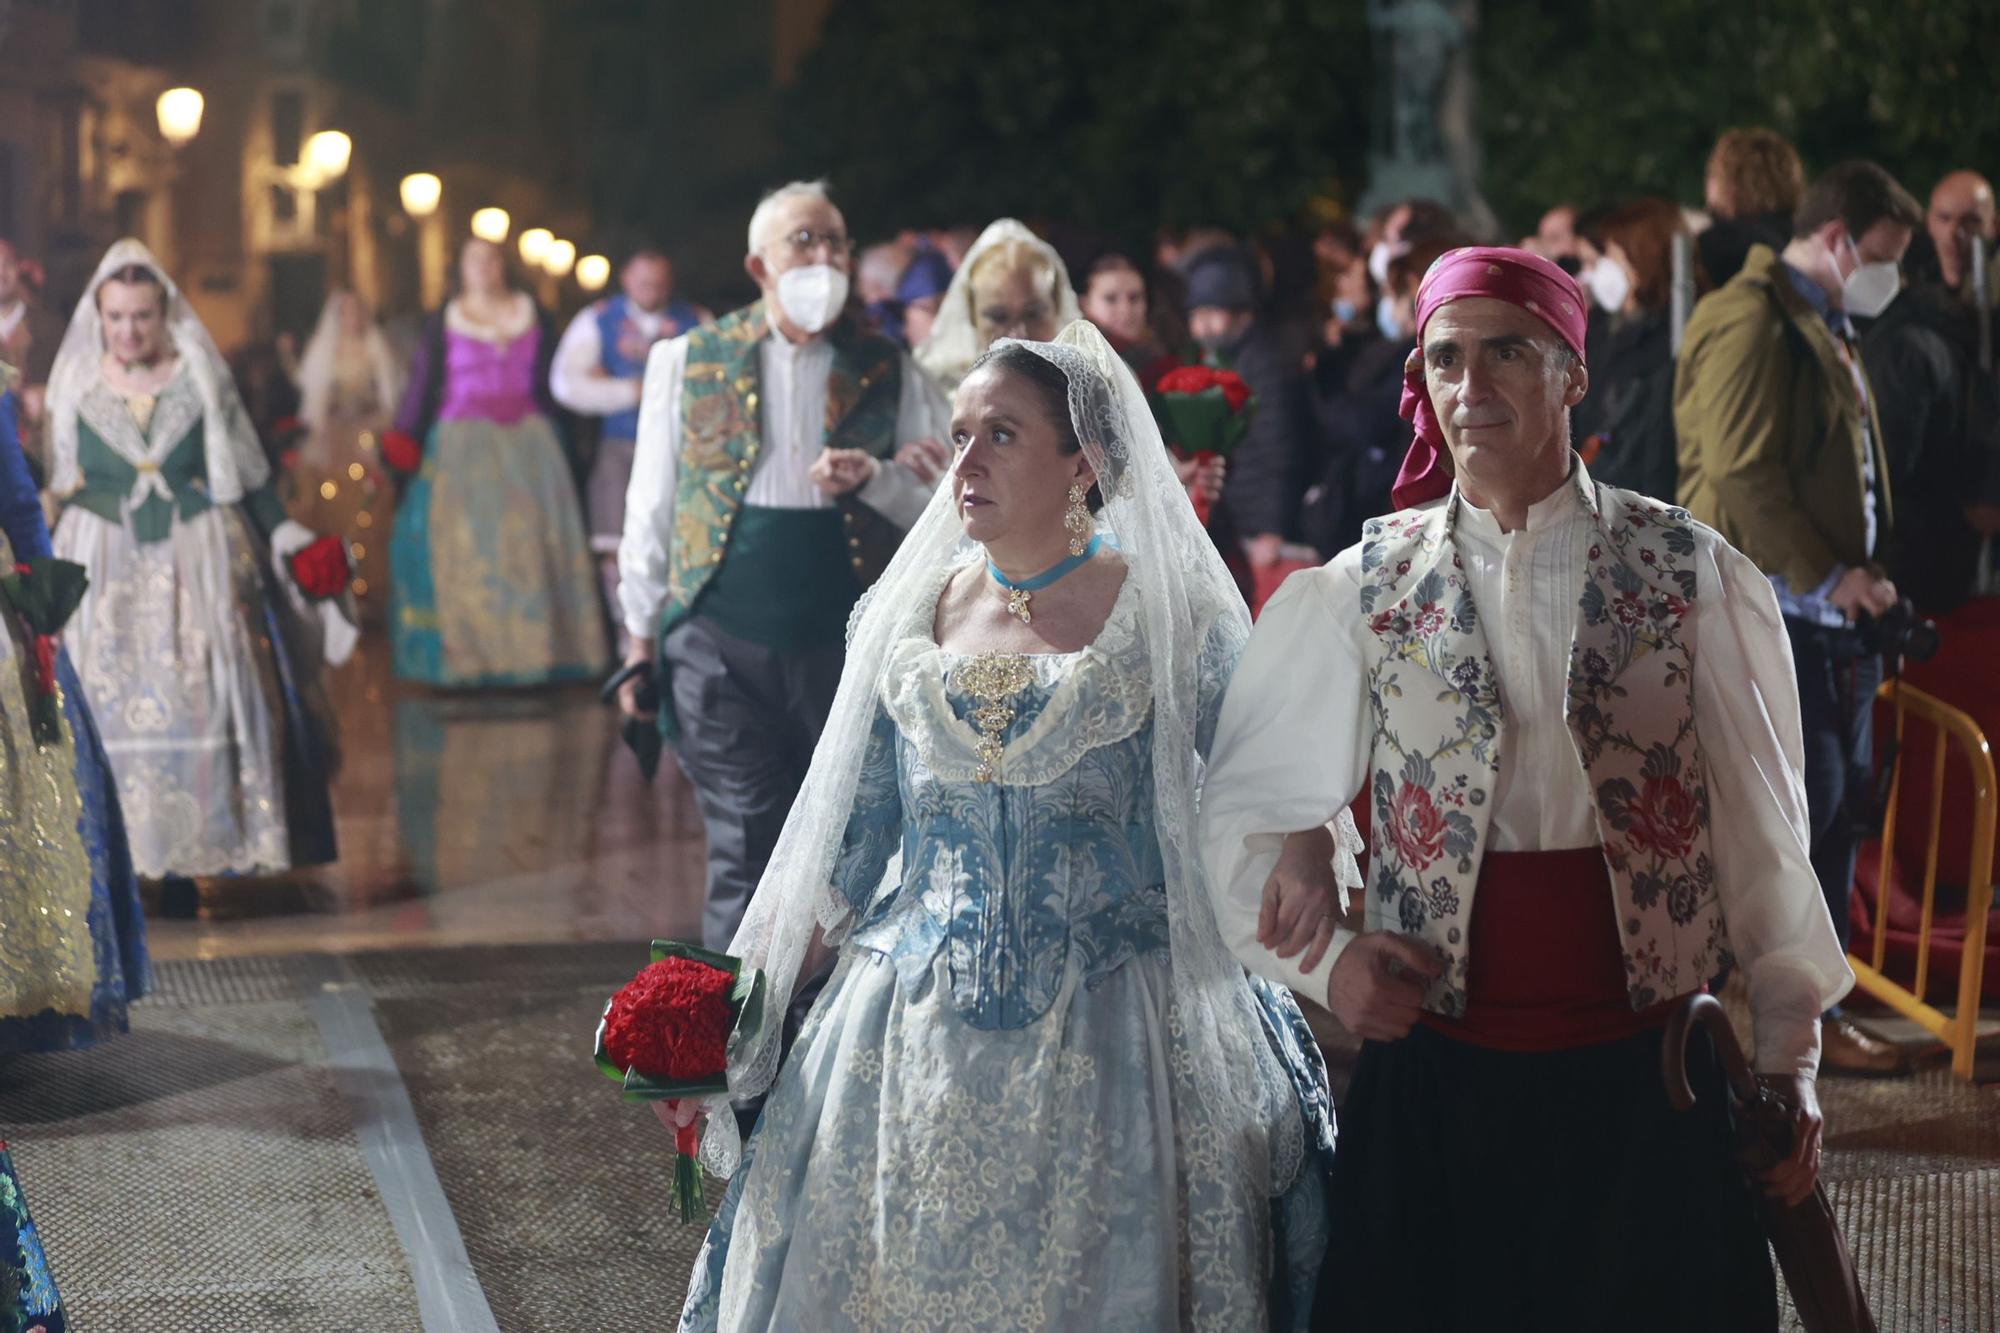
(1036, 1092)
(63, 986)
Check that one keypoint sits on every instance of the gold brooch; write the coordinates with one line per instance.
(992, 680)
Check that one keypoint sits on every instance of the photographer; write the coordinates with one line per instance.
(1781, 450)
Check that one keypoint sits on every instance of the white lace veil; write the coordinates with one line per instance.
(235, 460)
(1238, 1116)
(319, 367)
(954, 342)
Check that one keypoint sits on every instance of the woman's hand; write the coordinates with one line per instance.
(677, 1113)
(1301, 903)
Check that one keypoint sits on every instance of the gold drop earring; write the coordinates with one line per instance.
(1077, 520)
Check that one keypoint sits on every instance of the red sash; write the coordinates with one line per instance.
(1547, 969)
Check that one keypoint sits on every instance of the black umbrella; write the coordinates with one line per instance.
(1806, 1238)
(642, 734)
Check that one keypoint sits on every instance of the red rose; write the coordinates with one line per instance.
(1188, 379)
(1157, 370)
(672, 1021)
(401, 451)
(1666, 818)
(320, 568)
(1415, 826)
(1234, 391)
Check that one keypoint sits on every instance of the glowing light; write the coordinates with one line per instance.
(327, 155)
(327, 490)
(421, 192)
(492, 224)
(364, 520)
(559, 258)
(356, 472)
(360, 551)
(534, 243)
(592, 272)
(179, 111)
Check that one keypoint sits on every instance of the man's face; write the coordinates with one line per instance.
(648, 281)
(1501, 388)
(806, 230)
(1557, 233)
(1218, 326)
(1883, 243)
(1961, 208)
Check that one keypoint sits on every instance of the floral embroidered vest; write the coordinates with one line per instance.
(722, 436)
(1435, 700)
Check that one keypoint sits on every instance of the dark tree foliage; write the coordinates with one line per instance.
(1112, 117)
(1593, 100)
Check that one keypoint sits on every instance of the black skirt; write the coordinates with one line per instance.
(1482, 1189)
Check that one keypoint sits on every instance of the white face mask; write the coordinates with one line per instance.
(1868, 290)
(1378, 261)
(1388, 320)
(1609, 284)
(812, 295)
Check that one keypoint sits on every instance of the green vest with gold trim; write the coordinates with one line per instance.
(722, 438)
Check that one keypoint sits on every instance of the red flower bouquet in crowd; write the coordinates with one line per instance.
(44, 594)
(401, 451)
(320, 568)
(1203, 413)
(667, 1035)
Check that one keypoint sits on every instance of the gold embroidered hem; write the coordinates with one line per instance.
(45, 951)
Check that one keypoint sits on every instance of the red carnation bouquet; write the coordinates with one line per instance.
(44, 593)
(320, 568)
(401, 451)
(1204, 414)
(667, 1035)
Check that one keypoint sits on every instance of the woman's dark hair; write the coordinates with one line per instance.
(1051, 385)
(135, 275)
(1111, 262)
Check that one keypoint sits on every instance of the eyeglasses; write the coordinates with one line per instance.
(805, 240)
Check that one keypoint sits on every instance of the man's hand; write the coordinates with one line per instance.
(1301, 901)
(1377, 985)
(1264, 549)
(927, 458)
(641, 650)
(1862, 590)
(838, 471)
(1792, 1180)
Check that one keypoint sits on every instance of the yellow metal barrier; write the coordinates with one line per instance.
(1959, 1032)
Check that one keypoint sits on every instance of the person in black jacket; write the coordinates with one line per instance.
(1625, 428)
(1268, 471)
(1941, 436)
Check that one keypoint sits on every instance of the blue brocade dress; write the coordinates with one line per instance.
(977, 1126)
(115, 924)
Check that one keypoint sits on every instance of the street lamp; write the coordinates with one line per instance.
(534, 244)
(559, 258)
(492, 224)
(179, 111)
(592, 272)
(421, 192)
(327, 155)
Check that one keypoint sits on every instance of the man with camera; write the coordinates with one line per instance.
(1781, 450)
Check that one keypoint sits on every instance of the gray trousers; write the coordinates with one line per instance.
(749, 719)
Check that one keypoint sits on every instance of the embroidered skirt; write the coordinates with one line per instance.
(199, 697)
(493, 583)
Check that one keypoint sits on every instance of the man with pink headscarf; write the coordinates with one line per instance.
(1572, 709)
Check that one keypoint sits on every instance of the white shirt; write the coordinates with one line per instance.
(793, 415)
(576, 375)
(11, 317)
(1295, 745)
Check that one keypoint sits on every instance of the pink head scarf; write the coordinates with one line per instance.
(1505, 274)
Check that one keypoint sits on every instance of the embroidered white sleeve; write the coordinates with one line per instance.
(1747, 707)
(575, 376)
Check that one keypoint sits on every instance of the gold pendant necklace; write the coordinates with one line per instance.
(1019, 593)
(992, 680)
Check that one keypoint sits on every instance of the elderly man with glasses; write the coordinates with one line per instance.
(764, 499)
